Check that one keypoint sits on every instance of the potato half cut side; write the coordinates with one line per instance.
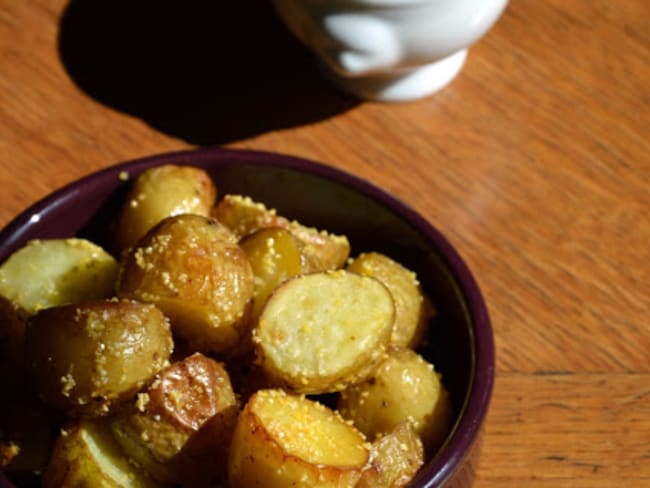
(394, 459)
(244, 216)
(162, 192)
(192, 268)
(324, 331)
(86, 454)
(404, 387)
(162, 420)
(87, 358)
(412, 310)
(287, 440)
(51, 272)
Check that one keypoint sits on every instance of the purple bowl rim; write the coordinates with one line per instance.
(473, 413)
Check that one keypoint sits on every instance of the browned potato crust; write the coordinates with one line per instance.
(175, 406)
(86, 455)
(245, 216)
(162, 192)
(404, 387)
(322, 332)
(286, 440)
(412, 312)
(192, 268)
(87, 358)
(394, 459)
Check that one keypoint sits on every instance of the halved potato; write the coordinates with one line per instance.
(51, 272)
(275, 255)
(192, 268)
(322, 332)
(404, 387)
(394, 459)
(287, 440)
(87, 358)
(180, 400)
(245, 216)
(412, 311)
(161, 192)
(86, 454)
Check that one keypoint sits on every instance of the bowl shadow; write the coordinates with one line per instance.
(208, 73)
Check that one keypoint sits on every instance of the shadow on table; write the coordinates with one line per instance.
(208, 72)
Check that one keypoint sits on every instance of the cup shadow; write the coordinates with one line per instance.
(207, 72)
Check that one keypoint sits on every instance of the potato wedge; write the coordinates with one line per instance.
(404, 387)
(51, 272)
(394, 459)
(322, 332)
(162, 192)
(192, 268)
(287, 440)
(180, 400)
(85, 454)
(87, 358)
(412, 312)
(275, 255)
(244, 216)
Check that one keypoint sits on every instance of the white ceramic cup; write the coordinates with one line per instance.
(390, 50)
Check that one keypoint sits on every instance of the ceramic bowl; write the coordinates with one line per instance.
(390, 50)
(319, 195)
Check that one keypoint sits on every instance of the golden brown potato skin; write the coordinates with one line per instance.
(403, 387)
(161, 192)
(394, 459)
(86, 455)
(192, 268)
(275, 255)
(87, 358)
(412, 311)
(244, 216)
(285, 440)
(180, 400)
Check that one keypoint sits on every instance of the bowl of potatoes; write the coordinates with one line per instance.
(233, 318)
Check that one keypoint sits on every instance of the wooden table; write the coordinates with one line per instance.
(535, 163)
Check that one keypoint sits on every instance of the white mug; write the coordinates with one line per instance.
(390, 50)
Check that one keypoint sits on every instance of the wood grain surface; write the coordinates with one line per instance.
(534, 162)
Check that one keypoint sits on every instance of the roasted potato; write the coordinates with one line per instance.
(287, 440)
(192, 268)
(404, 387)
(47, 273)
(180, 400)
(412, 311)
(88, 357)
(322, 332)
(86, 455)
(275, 255)
(394, 459)
(162, 192)
(245, 216)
